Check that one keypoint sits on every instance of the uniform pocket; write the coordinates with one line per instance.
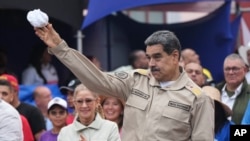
(137, 102)
(177, 114)
(174, 124)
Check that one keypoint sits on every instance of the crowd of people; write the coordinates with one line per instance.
(163, 94)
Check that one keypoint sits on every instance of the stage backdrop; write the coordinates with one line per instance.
(213, 37)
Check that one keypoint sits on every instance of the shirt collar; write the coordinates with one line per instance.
(176, 85)
(96, 124)
(236, 92)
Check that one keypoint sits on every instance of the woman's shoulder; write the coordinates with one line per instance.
(67, 128)
(109, 123)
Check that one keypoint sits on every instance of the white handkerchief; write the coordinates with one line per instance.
(37, 18)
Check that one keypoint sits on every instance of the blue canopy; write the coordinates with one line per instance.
(98, 9)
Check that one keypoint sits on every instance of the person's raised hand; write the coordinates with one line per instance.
(48, 35)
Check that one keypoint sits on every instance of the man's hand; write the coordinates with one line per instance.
(48, 35)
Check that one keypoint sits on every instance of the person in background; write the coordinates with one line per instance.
(194, 71)
(95, 61)
(137, 60)
(30, 112)
(10, 123)
(235, 89)
(7, 94)
(189, 55)
(222, 112)
(42, 95)
(40, 70)
(113, 109)
(162, 100)
(57, 113)
(88, 123)
(3, 63)
(69, 92)
(244, 52)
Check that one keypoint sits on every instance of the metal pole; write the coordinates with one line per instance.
(79, 37)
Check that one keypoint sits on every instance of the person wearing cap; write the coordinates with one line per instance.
(113, 109)
(57, 113)
(30, 112)
(222, 112)
(68, 91)
(88, 122)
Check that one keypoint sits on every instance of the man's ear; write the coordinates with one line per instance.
(176, 55)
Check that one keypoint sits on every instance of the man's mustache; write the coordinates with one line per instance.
(152, 69)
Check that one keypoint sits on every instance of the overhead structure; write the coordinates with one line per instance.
(67, 11)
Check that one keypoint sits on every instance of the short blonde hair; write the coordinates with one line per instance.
(82, 87)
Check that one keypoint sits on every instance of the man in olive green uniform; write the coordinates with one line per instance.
(162, 103)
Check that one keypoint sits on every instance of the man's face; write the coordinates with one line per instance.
(194, 71)
(43, 97)
(6, 93)
(162, 65)
(234, 71)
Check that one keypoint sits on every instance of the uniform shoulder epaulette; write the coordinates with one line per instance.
(142, 71)
(196, 90)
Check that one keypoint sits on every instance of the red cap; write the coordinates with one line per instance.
(11, 79)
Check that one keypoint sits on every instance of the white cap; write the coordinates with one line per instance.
(57, 101)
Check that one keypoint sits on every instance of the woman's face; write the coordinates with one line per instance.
(85, 105)
(112, 108)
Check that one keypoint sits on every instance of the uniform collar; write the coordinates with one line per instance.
(96, 124)
(178, 84)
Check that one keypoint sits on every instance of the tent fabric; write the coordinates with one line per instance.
(212, 37)
(98, 9)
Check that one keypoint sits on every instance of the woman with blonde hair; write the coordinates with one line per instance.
(88, 124)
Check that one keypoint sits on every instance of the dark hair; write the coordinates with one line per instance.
(220, 116)
(167, 39)
(133, 57)
(90, 57)
(5, 83)
(35, 58)
(54, 106)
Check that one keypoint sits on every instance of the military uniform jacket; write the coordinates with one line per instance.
(180, 112)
